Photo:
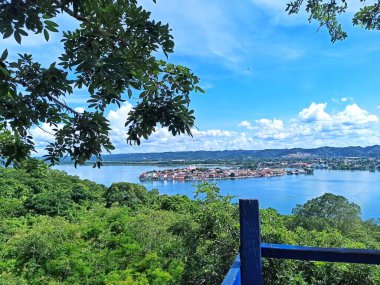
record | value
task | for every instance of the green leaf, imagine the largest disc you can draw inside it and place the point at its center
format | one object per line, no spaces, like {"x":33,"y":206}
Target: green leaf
{"x":22,"y":32}
{"x":8,"y":162}
{"x":7,"y":33}
{"x":4,"y":72}
{"x":47,"y":16}
{"x":17,"y":37}
{"x":197,"y":88}
{"x":46,"y":35}
{"x":51,"y":23}
{"x":4,"y":55}
{"x":52,"y":29}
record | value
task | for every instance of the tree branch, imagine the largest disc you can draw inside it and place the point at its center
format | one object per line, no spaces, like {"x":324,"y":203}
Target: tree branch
{"x":69,"y":11}
{"x":51,"y":98}
{"x":44,"y":130}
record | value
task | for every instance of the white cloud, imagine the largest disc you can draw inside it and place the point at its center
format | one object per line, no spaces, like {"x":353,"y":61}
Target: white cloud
{"x":163,"y":140}
{"x":313,"y":127}
{"x":276,"y":10}
{"x":42,"y":136}
{"x":246,"y":124}
{"x":344,"y":100}
{"x":270,"y":124}
{"x":270,"y":129}
{"x":354,"y":115}
{"x":44,"y":133}
{"x":117,"y":121}
{"x":200,"y":28}
{"x":224,"y":33}
{"x":315,"y":112}
{"x":79,"y":109}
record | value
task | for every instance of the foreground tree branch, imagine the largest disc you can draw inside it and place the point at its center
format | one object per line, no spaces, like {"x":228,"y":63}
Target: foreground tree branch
{"x":111,"y":56}
{"x":70,"y":12}
{"x":326,"y":14}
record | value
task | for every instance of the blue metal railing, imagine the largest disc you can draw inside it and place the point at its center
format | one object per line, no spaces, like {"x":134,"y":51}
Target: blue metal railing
{"x":247,"y":267}
{"x":233,"y":276}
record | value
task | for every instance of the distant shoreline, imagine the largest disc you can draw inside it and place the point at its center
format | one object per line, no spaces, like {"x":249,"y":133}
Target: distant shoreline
{"x":324,"y":152}
{"x":351,"y":164}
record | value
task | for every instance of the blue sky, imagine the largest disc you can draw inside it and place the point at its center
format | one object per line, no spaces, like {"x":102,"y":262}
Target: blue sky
{"x":271,"y":80}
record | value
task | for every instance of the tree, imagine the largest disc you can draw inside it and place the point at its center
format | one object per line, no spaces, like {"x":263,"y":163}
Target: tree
{"x":326,"y":211}
{"x":127,"y":194}
{"x":113,"y":55}
{"x":212,"y":243}
{"x":327,"y":12}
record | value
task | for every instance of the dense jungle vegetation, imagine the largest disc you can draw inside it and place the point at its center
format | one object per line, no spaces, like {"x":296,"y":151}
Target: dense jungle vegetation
{"x":59,"y":229}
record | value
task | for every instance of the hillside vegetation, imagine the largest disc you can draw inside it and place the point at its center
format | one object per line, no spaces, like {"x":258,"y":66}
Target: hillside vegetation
{"x":242,"y":155}
{"x":59,"y":229}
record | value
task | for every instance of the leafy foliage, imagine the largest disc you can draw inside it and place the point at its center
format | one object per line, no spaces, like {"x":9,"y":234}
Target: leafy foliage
{"x":326,"y":13}
{"x":58,"y":229}
{"x":111,"y":55}
{"x":127,"y":194}
{"x":327,"y":211}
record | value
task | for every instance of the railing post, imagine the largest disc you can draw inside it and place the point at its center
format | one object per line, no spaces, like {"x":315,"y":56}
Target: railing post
{"x":250,"y":242}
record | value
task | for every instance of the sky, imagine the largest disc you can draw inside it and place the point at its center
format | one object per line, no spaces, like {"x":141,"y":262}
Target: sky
{"x":271,"y":80}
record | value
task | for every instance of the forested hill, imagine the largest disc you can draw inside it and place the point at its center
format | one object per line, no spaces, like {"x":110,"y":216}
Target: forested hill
{"x":59,"y":229}
{"x":352,"y":151}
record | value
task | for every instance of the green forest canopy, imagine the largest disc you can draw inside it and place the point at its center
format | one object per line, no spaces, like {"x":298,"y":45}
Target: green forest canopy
{"x":59,"y":229}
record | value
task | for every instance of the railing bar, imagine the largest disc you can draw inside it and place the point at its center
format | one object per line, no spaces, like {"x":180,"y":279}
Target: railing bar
{"x":250,"y":242}
{"x":233,"y":275}
{"x":320,"y":254}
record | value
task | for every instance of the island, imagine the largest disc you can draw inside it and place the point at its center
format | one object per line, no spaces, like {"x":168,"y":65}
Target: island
{"x":192,"y":173}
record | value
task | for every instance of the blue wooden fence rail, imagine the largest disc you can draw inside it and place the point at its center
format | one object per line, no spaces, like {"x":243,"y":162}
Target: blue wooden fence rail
{"x":247,"y":267}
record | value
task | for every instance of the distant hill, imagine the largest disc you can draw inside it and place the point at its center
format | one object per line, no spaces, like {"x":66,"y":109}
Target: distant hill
{"x":324,"y":152}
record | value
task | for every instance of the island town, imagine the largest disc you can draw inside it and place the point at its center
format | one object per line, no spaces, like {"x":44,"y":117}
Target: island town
{"x":193,"y":173}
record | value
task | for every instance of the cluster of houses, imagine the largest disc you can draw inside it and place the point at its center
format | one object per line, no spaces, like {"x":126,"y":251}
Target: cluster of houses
{"x":192,"y":173}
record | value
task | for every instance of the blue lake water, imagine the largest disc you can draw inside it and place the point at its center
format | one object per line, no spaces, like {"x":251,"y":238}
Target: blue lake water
{"x":281,"y":193}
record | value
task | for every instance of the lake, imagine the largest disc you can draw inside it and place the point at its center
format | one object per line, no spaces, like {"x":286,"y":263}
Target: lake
{"x":281,"y":193}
